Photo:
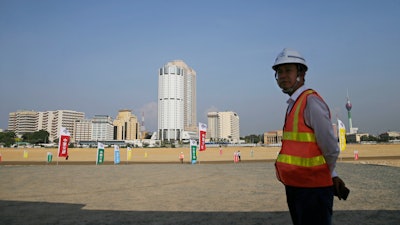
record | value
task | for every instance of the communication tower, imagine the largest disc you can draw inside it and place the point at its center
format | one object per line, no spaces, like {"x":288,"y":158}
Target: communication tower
{"x":348,"y":107}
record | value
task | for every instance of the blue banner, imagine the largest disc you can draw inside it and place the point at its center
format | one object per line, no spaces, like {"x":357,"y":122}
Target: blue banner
{"x":116,"y":155}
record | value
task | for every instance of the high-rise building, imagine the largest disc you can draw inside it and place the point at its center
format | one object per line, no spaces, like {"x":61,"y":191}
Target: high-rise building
{"x":212,"y":126}
{"x":22,"y":121}
{"x":64,"y":118}
{"x":102,"y":128}
{"x":176,"y":100}
{"x":83,"y":130}
{"x":51,"y":121}
{"x":45,"y":120}
{"x":126,"y":126}
{"x":223,"y":126}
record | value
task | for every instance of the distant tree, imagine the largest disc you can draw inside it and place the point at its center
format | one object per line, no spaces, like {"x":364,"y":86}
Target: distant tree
{"x":383,"y":138}
{"x":369,"y":138}
{"x":252,"y":138}
{"x":36,"y":137}
{"x":8,"y":138}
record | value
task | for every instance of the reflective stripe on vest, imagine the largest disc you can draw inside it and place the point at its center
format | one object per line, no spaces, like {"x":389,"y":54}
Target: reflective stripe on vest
{"x":299,"y":161}
{"x":298,"y":136}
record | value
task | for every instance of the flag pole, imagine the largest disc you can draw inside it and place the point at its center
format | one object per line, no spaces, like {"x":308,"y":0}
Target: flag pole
{"x":97,"y":154}
{"x":127,"y":156}
{"x":58,"y":149}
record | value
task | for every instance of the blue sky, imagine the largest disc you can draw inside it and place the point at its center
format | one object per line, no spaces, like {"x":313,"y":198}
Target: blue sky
{"x":101,"y":56}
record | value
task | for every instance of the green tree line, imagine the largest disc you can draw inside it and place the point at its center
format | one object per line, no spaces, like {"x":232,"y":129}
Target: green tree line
{"x":9,"y":138}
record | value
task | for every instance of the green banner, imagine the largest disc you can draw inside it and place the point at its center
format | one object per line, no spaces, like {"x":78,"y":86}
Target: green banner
{"x":100,"y":156}
{"x":49,"y":157}
{"x":193,"y":151}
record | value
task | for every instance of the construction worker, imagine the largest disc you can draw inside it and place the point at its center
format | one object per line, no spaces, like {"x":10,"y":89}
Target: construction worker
{"x":307,"y":159}
{"x":181,"y":157}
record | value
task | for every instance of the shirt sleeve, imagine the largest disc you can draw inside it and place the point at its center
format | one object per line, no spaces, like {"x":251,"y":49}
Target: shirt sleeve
{"x":317,"y":116}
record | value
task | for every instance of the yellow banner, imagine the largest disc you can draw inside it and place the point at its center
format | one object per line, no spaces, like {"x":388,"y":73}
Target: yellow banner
{"x":129,"y":154}
{"x":25,"y":154}
{"x":342,"y":135}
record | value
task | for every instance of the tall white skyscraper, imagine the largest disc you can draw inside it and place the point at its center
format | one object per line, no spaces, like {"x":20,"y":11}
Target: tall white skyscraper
{"x":176,"y":100}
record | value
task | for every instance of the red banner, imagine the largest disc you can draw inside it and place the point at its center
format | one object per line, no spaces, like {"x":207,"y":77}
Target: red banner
{"x":202,"y":136}
{"x":63,"y":146}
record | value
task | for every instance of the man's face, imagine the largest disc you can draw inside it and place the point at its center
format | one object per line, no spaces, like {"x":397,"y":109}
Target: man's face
{"x":286,"y":75}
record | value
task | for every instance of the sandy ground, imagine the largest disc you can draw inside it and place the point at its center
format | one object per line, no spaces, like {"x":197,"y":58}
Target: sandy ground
{"x":214,"y":191}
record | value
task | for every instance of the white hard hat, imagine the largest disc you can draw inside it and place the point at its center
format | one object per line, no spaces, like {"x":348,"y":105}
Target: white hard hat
{"x":289,"y":56}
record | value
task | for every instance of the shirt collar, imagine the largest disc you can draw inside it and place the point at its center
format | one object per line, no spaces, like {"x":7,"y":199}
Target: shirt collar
{"x":296,"y":94}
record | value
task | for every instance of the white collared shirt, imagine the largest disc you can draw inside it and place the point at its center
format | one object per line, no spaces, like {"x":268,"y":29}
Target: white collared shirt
{"x":317,"y":117}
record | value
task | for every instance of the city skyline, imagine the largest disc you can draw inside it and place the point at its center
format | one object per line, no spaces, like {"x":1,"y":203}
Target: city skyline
{"x":100,"y":57}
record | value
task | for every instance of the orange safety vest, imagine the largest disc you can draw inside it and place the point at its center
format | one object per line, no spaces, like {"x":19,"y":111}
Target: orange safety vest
{"x":300,"y":162}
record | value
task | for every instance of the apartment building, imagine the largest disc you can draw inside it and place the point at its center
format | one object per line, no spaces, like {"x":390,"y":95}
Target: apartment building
{"x":83,"y":130}
{"x":22,"y":121}
{"x":223,"y":126}
{"x":30,"y":121}
{"x":102,"y":128}
{"x":99,"y":128}
{"x":64,"y":118}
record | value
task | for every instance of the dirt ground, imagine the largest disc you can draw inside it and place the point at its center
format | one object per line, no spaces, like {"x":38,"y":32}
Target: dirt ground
{"x":158,"y":190}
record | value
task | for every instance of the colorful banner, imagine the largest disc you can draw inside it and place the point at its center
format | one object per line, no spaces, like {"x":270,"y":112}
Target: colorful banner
{"x":100,"y":153}
{"x":116,"y":154}
{"x":235,"y":157}
{"x":63,"y":142}
{"x":342,"y":135}
{"x":193,"y":151}
{"x":49,"y":157}
{"x":128,"y":154}
{"x":25,"y":154}
{"x":202,"y":136}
